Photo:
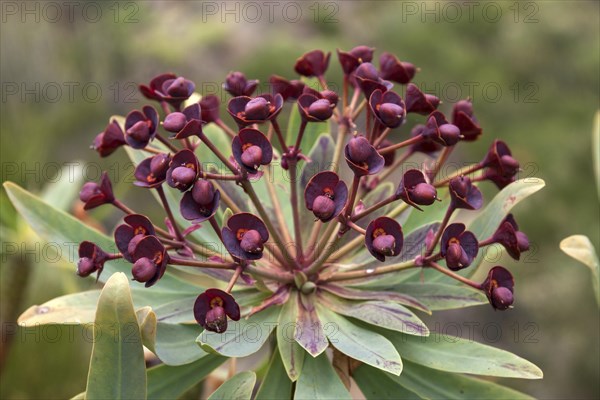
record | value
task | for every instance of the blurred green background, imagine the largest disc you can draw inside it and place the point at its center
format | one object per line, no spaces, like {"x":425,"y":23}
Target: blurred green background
{"x":532,"y":69}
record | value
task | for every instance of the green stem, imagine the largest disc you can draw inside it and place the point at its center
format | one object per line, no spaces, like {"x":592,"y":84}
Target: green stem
{"x":343,"y":276}
{"x":453,"y":275}
{"x":163,"y":199}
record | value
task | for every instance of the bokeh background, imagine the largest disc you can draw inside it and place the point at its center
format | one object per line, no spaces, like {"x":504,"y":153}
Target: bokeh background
{"x":531,"y":68}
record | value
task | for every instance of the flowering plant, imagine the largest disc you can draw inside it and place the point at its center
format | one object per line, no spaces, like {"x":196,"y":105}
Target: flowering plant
{"x":314,"y":247}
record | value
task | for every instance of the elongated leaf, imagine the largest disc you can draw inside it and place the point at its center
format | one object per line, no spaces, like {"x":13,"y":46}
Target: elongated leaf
{"x":580,"y":248}
{"x":454,"y":354}
{"x":391,"y":296}
{"x":147,"y":322}
{"x":291,"y":353}
{"x":359,"y":343}
{"x":238,"y":387}
{"x":166,"y":382}
{"x":77,"y":308}
{"x":66,"y":232}
{"x":426,"y":383}
{"x":381,"y":313}
{"x":378,"y":385}
{"x":117,"y":367}
{"x":309,"y":328}
{"x":80,"y":396}
{"x":243,"y":337}
{"x":275,"y":384}
{"x":440,"y":296}
{"x":596,"y":149}
{"x":62,"y":193}
{"x":319,"y":381}
{"x":175,"y":343}
{"x":486,"y":222}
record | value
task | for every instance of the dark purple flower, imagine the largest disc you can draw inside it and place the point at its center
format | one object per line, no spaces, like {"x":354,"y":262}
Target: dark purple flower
{"x":94,"y":195}
{"x":499,"y":180}
{"x":154,"y":90}
{"x":394,"y":70}
{"x":352,"y":59}
{"x":458,"y":246}
{"x":462,"y":116}
{"x":170,"y":88}
{"x":313,"y":63}
{"x":499,"y":288}
{"x":150,"y":260}
{"x":438,"y":129}
{"x":362,"y":157}
{"x":368,"y":79}
{"x":109,"y":140}
{"x":247,"y":111}
{"x":415,"y":190}
{"x":419,"y":102}
{"x":244,"y":236}
{"x":183,"y":170}
{"x":236,"y":84}
{"x":314,"y":109}
{"x":502,"y":168}
{"x":388,"y":108}
{"x":140,"y":127}
{"x":129,"y":234}
{"x":184,"y":124}
{"x":200,"y":203}
{"x":326,"y":195}
{"x":212,"y":308}
{"x":289,"y":90}
{"x":508,"y":235}
{"x":209,"y":108}
{"x":91,"y":259}
{"x":426,"y":146}
{"x":464,"y":194}
{"x":384,"y":238}
{"x":152,"y":171}
{"x":251,"y":149}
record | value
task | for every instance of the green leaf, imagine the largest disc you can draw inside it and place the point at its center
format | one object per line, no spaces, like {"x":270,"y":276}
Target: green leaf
{"x":243,"y":337}
{"x":486,"y":222}
{"x":72,"y":309}
{"x":440,"y":296}
{"x":581,"y":249}
{"x":167,"y":382}
{"x":455,"y":354}
{"x":429,"y":215}
{"x":319,"y":381}
{"x":426,"y":383}
{"x":359,"y":343}
{"x":291,"y":353}
{"x":596,"y":149}
{"x":378,"y":385}
{"x":386,"y":314}
{"x":238,"y":387}
{"x":117,"y":367}
{"x":309,"y":331}
{"x":147,"y":322}
{"x":275,"y":384}
{"x":65,"y":190}
{"x":175,"y":343}
{"x":65,"y":231}
{"x":80,"y":396}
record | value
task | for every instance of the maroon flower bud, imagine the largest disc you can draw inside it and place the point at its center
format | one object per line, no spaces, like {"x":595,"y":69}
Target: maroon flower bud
{"x":392,"y":69}
{"x":91,"y":259}
{"x":415,"y":190}
{"x":463,"y":118}
{"x":247,"y":111}
{"x":289,"y":90}
{"x":502,"y":168}
{"x":458,"y":246}
{"x":178,"y":87}
{"x":315,"y":109}
{"x":251,"y":149}
{"x":192,"y":126}
{"x":388,"y":108}
{"x":368,"y":80}
{"x":195,"y":211}
{"x":440,"y":131}
{"x":331,"y":96}
{"x":209,"y":106}
{"x":352,"y":59}
{"x":449,"y":133}
{"x":169,"y":88}
{"x":128,"y":235}
{"x":325,"y":195}
{"x":419,"y":102}
{"x":152,"y":171}
{"x":384,"y":238}
{"x":94,"y":195}
{"x":427,"y":145}
{"x":464,"y":194}
{"x":238,"y":225}
{"x":212,"y":307}
{"x":183,"y":170}
{"x":203,"y":192}
{"x":313,"y":63}
{"x":143,"y":270}
{"x":140,"y":127}
{"x":508,"y":235}
{"x":152,"y":250}
{"x":362,"y":157}
{"x":499,"y":288}
{"x":174,"y":122}
{"x":108,"y":141}
{"x":236,"y":84}
{"x":154,"y":90}
{"x":367,"y":71}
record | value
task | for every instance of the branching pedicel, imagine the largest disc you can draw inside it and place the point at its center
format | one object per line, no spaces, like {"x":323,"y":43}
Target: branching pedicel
{"x":270,"y":247}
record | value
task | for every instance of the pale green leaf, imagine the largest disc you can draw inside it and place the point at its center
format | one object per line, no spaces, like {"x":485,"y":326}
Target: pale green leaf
{"x":581,"y":249}
{"x":440,"y":296}
{"x":75,"y":309}
{"x":175,"y":343}
{"x":378,"y":385}
{"x":238,"y":387}
{"x":319,"y":381}
{"x":117,"y":366}
{"x":291,"y":352}
{"x":275,"y":384}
